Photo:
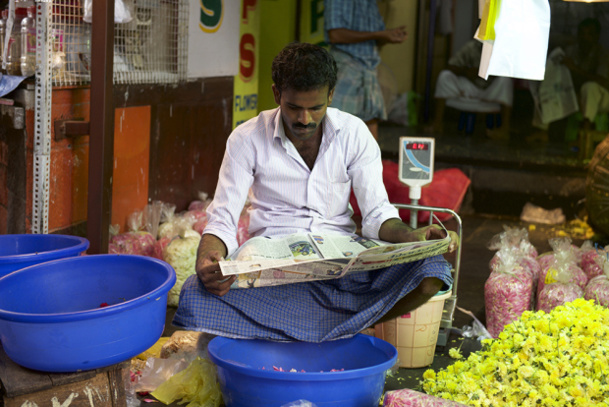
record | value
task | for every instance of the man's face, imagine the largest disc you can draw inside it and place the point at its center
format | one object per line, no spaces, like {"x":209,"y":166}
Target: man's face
{"x":587,"y":37}
{"x":303,"y":111}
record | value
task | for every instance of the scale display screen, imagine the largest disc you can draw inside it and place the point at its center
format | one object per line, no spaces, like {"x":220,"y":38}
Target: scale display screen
{"x":417,"y":146}
{"x":416,"y":160}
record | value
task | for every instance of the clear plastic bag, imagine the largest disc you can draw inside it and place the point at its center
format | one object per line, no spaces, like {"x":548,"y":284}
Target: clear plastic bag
{"x":158,"y":371}
{"x":181,"y":254}
{"x":508,"y":292}
{"x":592,"y":258}
{"x":412,"y":398}
{"x":136,"y":240}
{"x":196,"y":385}
{"x":300,"y":403}
{"x":564,"y":261}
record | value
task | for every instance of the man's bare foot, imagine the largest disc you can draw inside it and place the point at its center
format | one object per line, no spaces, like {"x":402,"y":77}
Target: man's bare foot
{"x":501,"y":133}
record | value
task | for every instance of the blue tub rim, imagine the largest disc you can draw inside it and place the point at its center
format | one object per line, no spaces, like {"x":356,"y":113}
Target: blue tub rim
{"x":83,"y":245}
{"x":53,"y":318}
{"x":305,"y":376}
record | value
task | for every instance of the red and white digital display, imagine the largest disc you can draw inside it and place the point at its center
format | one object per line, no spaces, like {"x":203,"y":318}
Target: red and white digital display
{"x":417,"y":146}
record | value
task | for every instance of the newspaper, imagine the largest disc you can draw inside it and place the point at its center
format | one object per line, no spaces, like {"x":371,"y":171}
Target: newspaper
{"x":267,"y":261}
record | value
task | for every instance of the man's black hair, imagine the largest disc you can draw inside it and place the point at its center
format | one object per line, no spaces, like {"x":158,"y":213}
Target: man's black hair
{"x":590,"y":22}
{"x":301,"y":66}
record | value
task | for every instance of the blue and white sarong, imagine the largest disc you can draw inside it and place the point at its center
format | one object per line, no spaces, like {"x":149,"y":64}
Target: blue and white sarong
{"x":312,"y":311}
{"x":358,"y":90}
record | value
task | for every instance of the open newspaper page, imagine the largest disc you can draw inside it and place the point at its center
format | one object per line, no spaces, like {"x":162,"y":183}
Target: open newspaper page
{"x":266,"y":261}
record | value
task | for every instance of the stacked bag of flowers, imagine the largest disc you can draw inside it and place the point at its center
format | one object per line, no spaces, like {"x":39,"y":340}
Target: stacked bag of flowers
{"x":141,"y":237}
{"x":508,"y":291}
{"x":510,"y":288}
{"x":563,"y":261}
{"x":597,"y":288}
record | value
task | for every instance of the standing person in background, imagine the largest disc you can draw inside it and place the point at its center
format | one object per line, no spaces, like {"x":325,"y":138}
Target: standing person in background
{"x":355,"y":30}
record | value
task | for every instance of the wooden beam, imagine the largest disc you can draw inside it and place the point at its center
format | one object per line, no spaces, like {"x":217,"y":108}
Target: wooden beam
{"x":101,"y":142}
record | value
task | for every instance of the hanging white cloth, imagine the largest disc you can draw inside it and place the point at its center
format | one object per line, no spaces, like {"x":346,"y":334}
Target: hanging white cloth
{"x":122,"y":13}
{"x":522,"y":30}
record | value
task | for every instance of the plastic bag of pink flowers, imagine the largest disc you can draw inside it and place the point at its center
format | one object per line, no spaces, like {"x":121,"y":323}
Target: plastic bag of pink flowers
{"x":508,"y":292}
{"x":517,"y":242}
{"x":565,"y":257}
{"x":598,"y":287}
{"x":558,"y":293}
{"x":592,"y":258}
{"x":136,"y":241}
{"x":412,"y":398}
{"x":598,"y":290}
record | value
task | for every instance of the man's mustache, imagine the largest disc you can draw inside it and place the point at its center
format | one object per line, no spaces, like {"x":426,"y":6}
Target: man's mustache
{"x":303,"y":126}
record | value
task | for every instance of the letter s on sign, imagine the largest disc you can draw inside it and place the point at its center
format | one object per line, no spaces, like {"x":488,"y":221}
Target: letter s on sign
{"x":212,"y":12}
{"x":247,"y":56}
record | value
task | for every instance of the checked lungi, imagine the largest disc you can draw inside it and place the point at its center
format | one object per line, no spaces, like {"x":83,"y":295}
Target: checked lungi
{"x":312,"y":311}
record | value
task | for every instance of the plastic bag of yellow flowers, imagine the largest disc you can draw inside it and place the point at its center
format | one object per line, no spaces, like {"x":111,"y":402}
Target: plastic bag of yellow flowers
{"x":557,"y":359}
{"x":195,"y":385}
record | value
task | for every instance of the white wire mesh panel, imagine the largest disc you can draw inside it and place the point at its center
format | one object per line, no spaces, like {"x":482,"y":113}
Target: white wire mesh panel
{"x":150,"y":48}
{"x":71,"y":44}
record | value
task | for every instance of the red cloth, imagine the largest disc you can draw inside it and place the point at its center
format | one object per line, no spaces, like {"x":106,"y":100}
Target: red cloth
{"x":446,"y":190}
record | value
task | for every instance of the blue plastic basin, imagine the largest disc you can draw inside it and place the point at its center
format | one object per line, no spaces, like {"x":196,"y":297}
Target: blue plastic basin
{"x":247,"y":377}
{"x":52,"y":316}
{"x":19,"y":251}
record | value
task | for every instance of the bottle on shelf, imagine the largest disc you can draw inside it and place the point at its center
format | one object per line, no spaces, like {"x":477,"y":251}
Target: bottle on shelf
{"x":3,"y":18}
{"x":13,"y":55}
{"x":28,"y":43}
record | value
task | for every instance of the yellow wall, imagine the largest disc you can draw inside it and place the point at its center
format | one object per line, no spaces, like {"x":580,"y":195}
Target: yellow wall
{"x":277,"y":29}
{"x":400,"y":58}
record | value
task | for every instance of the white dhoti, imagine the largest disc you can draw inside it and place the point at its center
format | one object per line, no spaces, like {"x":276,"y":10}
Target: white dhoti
{"x":594,"y":99}
{"x":452,"y":87}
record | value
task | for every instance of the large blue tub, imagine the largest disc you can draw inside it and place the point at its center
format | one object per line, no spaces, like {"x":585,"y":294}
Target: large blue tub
{"x":19,"y":251}
{"x":54,"y":318}
{"x":248,"y":376}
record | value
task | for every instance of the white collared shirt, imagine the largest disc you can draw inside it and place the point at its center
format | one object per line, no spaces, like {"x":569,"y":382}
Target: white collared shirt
{"x":286,"y":196}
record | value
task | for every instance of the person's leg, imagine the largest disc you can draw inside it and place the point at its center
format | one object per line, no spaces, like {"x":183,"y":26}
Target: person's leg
{"x":414,"y":299}
{"x":310,"y":311}
{"x":502,"y":132}
{"x":501,"y":91}
{"x":447,"y":87}
{"x":594,"y":98}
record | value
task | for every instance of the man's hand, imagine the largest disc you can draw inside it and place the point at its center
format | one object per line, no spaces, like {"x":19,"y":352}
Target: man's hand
{"x":211,"y":251}
{"x":393,"y":36}
{"x":396,"y":231}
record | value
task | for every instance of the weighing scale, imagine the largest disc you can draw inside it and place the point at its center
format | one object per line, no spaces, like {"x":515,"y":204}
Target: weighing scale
{"x":416,"y":168}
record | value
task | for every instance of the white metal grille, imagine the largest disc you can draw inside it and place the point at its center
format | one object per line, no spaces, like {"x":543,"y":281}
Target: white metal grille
{"x":151,"y":48}
{"x":42,"y":128}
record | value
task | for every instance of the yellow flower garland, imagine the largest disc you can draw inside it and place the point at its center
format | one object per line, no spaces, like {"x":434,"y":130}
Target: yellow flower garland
{"x":557,"y":359}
